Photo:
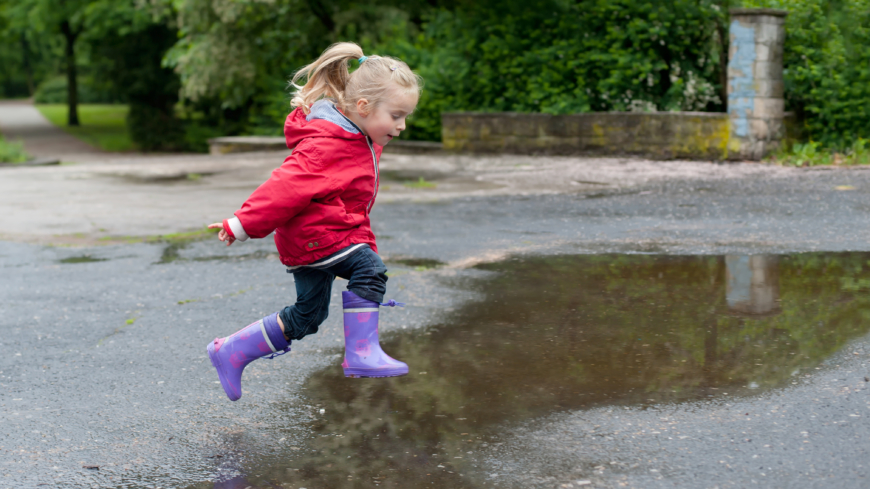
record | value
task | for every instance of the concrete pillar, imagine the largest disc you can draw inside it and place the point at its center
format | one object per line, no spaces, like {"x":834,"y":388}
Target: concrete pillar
{"x":755,"y":85}
{"x":752,"y":284}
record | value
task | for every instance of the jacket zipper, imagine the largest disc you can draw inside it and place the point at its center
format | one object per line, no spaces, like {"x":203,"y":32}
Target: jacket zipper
{"x":374,"y":159}
{"x":377,"y":175}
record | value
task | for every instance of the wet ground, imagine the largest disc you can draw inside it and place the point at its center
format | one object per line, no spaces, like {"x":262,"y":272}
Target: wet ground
{"x":676,"y":334}
{"x":565,"y":335}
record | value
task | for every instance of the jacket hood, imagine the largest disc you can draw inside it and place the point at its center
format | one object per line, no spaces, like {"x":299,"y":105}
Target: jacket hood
{"x":323,"y":121}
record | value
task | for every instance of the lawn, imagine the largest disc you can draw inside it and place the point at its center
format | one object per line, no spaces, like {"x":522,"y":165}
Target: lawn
{"x":102,"y":125}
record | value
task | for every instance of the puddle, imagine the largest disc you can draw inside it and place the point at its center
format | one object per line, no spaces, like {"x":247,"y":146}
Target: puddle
{"x":172,"y":253}
{"x":81,"y":259}
{"x":566,"y":333}
{"x":411,"y":175}
{"x":166,"y":177}
{"x":419,"y":264}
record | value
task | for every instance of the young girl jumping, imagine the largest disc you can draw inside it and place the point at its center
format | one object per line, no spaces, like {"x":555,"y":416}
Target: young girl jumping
{"x":318,"y":204}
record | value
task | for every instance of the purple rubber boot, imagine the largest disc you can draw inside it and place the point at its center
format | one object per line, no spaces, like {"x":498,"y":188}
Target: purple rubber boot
{"x":232,"y":354}
{"x":363,"y":356}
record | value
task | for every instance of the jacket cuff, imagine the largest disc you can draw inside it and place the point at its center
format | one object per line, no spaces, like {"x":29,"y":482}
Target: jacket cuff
{"x":234,"y":228}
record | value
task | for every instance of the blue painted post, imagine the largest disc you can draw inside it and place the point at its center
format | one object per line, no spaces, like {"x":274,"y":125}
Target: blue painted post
{"x":755,"y":86}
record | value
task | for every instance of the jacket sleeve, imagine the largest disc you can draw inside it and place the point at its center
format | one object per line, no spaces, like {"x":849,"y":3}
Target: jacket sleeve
{"x":292,"y":186}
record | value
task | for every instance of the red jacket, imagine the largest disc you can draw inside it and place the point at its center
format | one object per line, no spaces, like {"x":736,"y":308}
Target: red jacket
{"x":319,"y":200}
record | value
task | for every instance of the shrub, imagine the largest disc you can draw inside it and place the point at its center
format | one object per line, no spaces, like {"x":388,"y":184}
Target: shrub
{"x":196,"y":136}
{"x":12,"y":152}
{"x":827,"y":68}
{"x":153,"y":129}
{"x":813,"y":153}
{"x":563,"y":56}
{"x":54,"y":91}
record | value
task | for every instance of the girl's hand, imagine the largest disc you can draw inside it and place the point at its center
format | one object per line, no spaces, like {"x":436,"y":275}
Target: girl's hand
{"x":222,"y":235}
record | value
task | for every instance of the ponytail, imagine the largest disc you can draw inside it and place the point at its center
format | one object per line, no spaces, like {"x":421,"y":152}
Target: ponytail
{"x":328,"y":76}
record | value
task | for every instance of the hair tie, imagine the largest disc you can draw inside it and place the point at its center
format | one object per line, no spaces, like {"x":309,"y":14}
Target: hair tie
{"x":393,"y":68}
{"x":363,"y":59}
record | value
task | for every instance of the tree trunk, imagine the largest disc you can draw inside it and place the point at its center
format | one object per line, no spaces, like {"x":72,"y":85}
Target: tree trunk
{"x":322,"y":12}
{"x":724,"y":40}
{"x":28,"y":69}
{"x":71,"y":73}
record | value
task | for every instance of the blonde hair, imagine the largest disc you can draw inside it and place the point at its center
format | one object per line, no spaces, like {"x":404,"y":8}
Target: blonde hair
{"x":328,"y":76}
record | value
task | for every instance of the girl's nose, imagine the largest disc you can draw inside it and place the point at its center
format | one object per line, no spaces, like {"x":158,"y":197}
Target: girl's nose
{"x":401,"y":126}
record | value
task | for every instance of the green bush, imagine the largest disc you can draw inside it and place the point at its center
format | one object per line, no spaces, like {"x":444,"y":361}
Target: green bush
{"x":196,"y":136}
{"x":827,"y":68}
{"x":563,"y":56}
{"x":813,"y":153}
{"x":12,"y":152}
{"x":54,"y":91}
{"x":153,"y":129}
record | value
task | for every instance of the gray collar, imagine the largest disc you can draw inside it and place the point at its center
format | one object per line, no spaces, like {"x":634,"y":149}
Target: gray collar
{"x":325,"y":109}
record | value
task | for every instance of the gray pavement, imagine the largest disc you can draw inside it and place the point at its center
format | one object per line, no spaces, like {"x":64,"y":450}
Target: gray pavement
{"x":103,"y":340}
{"x":20,"y":121}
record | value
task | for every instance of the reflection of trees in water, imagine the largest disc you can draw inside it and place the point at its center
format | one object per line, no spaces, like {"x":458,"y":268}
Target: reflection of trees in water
{"x":561,"y":333}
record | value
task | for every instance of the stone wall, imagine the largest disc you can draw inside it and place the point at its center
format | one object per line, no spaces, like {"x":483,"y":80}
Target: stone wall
{"x":658,"y":135}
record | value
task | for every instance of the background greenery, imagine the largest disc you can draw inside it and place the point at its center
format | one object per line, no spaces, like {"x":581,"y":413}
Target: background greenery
{"x":193,"y":69}
{"x":12,"y":152}
{"x":102,"y":125}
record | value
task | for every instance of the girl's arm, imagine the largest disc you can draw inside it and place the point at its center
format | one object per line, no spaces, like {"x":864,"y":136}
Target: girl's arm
{"x":223,"y":235}
{"x":292,"y":186}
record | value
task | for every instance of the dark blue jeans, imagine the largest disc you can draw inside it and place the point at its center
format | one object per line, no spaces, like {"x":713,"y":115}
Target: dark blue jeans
{"x":367,"y":278}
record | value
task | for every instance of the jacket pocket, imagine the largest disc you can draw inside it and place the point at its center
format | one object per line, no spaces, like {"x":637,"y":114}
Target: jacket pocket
{"x":319,"y":243}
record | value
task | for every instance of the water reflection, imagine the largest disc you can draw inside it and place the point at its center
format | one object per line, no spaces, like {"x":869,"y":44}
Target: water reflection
{"x":753,"y":284}
{"x":573,"y":332}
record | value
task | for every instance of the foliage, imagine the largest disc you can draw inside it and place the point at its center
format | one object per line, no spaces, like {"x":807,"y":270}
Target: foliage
{"x":228,"y":51}
{"x":26,"y":56}
{"x":827,"y":61}
{"x":102,"y":126}
{"x":224,"y":64}
{"x":131,"y":60}
{"x":561,"y":57}
{"x":812,"y":153}
{"x":63,"y":20}
{"x":12,"y":152}
{"x":54,"y":91}
{"x":552,"y":56}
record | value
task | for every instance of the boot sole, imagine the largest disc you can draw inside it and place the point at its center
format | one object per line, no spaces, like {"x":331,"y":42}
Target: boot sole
{"x":357,"y":373}
{"x":216,"y":363}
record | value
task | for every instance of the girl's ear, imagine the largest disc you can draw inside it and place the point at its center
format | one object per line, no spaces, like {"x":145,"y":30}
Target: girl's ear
{"x":362,"y":107}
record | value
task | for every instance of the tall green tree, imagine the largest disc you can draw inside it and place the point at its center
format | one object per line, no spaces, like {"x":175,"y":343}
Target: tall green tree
{"x":63,"y":18}
{"x":127,"y":42}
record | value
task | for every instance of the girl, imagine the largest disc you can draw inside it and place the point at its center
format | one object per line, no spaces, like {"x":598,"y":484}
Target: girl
{"x":318,"y":204}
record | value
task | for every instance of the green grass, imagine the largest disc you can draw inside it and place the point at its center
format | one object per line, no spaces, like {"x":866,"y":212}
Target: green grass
{"x":12,"y":152}
{"x":420,"y":183}
{"x":814,"y":154}
{"x":102,"y":125}
{"x":174,"y":238}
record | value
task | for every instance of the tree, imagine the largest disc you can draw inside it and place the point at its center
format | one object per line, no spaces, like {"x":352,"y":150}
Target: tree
{"x":65,"y":18}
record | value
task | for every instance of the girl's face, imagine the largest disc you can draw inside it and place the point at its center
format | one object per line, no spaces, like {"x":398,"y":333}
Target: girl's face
{"x":387,"y":120}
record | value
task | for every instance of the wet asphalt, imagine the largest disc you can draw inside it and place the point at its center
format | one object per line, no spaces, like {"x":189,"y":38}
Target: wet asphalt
{"x":105,"y":381}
